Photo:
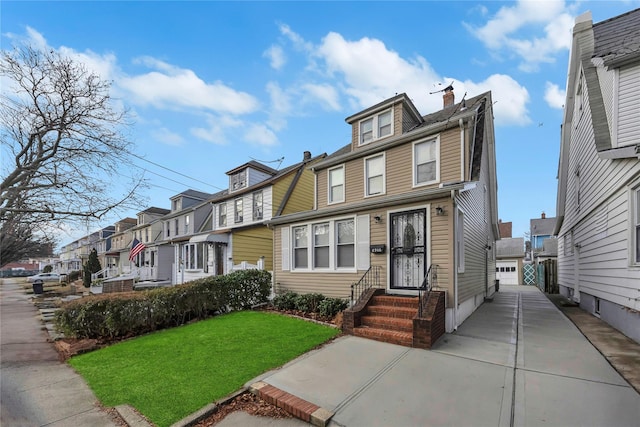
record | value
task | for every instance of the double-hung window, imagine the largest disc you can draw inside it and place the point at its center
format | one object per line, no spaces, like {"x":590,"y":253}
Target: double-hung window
{"x":186,"y":224}
{"x":176,"y":226}
{"x":376,"y":127}
{"x":374,"y":175}
{"x":300,"y":247}
{"x":222,"y":215}
{"x":321,"y":245}
{"x":237,"y":210}
{"x":336,"y":185}
{"x":425,"y":162}
{"x":636,"y":224}
{"x":257,"y":206}
{"x":345,"y":244}
{"x":238,"y":180}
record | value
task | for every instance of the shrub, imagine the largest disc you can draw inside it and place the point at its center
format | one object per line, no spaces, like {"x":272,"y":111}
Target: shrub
{"x":47,"y":268}
{"x":330,"y":307}
{"x":308,"y":303}
{"x":286,"y":301}
{"x":129,"y":314}
{"x":74,"y":275}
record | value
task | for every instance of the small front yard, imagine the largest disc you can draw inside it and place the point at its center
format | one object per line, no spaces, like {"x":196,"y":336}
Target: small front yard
{"x":170,"y":374}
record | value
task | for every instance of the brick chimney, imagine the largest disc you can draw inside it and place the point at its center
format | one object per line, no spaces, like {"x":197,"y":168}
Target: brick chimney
{"x":543,"y":216}
{"x":448,"y":97}
{"x":306,"y":156}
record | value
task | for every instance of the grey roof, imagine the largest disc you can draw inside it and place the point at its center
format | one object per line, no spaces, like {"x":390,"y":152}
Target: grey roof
{"x":154,"y":210}
{"x":618,"y":39}
{"x":543,"y":226}
{"x":194,"y":194}
{"x":510,"y":248}
{"x":450,"y":112}
{"x":254,"y":165}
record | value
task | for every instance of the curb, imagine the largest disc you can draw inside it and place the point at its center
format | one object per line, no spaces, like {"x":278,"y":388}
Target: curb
{"x":207,"y":410}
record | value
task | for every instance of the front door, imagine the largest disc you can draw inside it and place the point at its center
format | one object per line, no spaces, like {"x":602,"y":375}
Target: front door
{"x":408,"y":249}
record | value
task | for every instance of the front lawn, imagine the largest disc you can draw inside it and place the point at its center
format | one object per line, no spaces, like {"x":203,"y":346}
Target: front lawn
{"x":170,"y":374}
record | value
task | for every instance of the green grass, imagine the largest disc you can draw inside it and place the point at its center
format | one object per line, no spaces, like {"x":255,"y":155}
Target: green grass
{"x":170,"y":374}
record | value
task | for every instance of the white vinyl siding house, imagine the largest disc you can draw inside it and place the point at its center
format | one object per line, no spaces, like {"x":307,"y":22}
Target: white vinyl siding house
{"x":599,"y":174}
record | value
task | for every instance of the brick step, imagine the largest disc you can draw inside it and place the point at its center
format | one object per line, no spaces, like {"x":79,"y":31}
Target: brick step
{"x":389,"y":311}
{"x":389,"y":323}
{"x":384,"y":335}
{"x":393,"y":301}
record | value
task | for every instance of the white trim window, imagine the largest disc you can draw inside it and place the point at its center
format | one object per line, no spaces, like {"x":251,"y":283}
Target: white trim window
{"x":321,"y":245}
{"x":186,"y":224}
{"x":238,"y":180}
{"x":300,"y":247}
{"x":237,"y":211}
{"x":345,"y":244}
{"x":376,"y":127}
{"x":336,"y":184}
{"x":426,"y":167}
{"x":374,"y":170}
{"x":192,"y":254}
{"x":332,"y":243}
{"x":636,"y":225}
{"x":257,"y":206}
{"x":222,"y":215}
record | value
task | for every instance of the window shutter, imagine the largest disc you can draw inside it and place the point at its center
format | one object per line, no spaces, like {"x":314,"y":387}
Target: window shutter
{"x":362,"y":242}
{"x":284,"y":243}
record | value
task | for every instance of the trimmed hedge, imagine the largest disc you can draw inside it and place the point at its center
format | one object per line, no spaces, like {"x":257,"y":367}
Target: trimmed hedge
{"x":310,"y":303}
{"x":131,"y":314}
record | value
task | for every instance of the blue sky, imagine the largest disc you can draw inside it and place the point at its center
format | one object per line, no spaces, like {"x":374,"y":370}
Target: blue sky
{"x":212,"y":85}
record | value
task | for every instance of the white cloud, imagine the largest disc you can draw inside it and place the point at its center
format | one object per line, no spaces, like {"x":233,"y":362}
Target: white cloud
{"x":260,"y":134}
{"x":217,"y":130}
{"x":169,"y":86}
{"x":325,"y":94}
{"x":164,"y":135}
{"x":510,"y":99}
{"x":535,"y":31}
{"x":554,"y":96}
{"x":276,"y":57}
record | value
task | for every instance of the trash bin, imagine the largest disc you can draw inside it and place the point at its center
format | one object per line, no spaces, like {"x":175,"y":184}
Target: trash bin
{"x":497,"y":285}
{"x":38,"y":287}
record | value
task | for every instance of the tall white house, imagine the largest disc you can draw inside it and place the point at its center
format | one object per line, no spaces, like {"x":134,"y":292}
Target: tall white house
{"x":598,"y":206}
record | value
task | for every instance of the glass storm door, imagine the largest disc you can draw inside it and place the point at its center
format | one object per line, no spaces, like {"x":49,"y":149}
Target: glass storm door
{"x":408,"y":249}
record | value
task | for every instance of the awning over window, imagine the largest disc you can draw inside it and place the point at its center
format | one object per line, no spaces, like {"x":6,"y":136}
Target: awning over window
{"x":214,"y":238}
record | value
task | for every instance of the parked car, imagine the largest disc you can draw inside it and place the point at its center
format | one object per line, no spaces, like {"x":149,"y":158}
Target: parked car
{"x":45,"y":277}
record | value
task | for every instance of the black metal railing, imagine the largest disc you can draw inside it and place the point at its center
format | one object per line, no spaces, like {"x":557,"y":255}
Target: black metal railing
{"x":370,"y":279}
{"x":429,"y":281}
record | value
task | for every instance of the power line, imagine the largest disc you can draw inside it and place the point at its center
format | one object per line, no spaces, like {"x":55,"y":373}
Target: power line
{"x":173,"y":171}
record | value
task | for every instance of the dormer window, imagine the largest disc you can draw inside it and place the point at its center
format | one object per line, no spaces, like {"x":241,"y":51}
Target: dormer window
{"x":238,"y":180}
{"x":376,"y":127}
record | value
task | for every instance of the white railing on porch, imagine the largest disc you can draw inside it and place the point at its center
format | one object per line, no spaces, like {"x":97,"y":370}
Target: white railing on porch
{"x":244,"y":265}
{"x":105,"y":273}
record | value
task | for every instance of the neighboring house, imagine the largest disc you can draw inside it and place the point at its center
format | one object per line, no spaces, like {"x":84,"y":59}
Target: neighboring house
{"x":103,"y":246}
{"x":408,"y":193}
{"x":69,"y":258}
{"x":506,"y":229}
{"x":118,"y":256}
{"x":154,"y":261}
{"x":541,"y":229}
{"x":509,"y":260}
{"x":256,"y":194}
{"x":598,"y":225}
{"x":189,"y":211}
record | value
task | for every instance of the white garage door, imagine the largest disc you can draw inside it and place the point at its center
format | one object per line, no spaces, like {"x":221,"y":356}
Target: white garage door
{"x":507,"y":272}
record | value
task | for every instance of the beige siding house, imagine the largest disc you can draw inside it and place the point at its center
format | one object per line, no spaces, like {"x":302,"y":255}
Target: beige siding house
{"x":598,"y":209}
{"x":407,"y":194}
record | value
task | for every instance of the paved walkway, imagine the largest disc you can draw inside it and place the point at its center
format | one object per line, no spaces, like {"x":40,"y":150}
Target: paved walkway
{"x":36,"y":388}
{"x":517,"y":361}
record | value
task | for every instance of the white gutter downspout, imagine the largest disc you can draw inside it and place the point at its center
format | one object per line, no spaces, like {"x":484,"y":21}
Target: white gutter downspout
{"x":455,"y":262}
{"x":461,"y":124}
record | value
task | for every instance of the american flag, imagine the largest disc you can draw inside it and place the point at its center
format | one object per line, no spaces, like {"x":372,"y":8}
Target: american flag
{"x":136,"y":247}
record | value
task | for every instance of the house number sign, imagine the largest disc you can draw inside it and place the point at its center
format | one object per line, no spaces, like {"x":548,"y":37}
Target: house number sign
{"x":378,"y":249}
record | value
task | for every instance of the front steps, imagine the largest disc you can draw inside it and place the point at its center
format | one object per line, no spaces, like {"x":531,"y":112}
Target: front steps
{"x":394,"y":319}
{"x":389,"y":319}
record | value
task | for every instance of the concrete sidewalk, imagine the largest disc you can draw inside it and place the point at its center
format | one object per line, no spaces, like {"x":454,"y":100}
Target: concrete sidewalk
{"x":36,"y":388}
{"x":517,"y":361}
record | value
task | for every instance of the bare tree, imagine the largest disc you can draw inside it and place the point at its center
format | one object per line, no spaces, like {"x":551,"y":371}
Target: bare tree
{"x":20,"y":240}
{"x":65,"y":153}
